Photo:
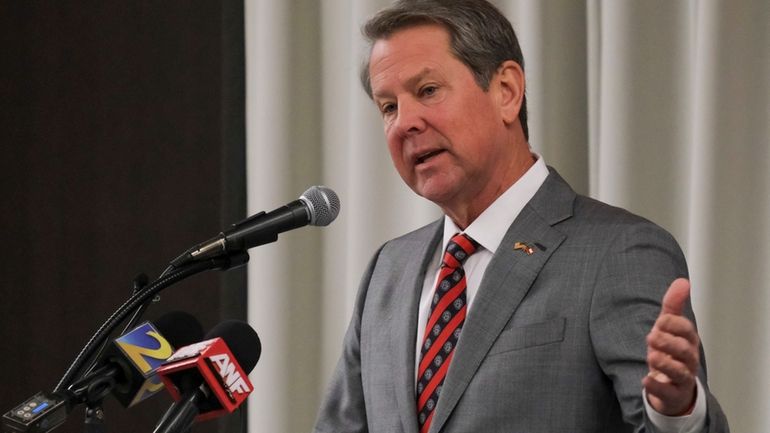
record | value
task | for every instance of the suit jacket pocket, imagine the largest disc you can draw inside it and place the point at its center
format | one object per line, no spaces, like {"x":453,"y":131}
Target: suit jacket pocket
{"x":524,"y":336}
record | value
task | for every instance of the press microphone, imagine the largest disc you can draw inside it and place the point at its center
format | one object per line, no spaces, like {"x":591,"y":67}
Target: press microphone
{"x":210,"y":378}
{"x":127,"y":370}
{"x":133,"y":358}
{"x":318,"y":206}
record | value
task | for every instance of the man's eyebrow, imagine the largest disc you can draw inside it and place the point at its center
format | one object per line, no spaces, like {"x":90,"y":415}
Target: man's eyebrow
{"x":413,"y":80}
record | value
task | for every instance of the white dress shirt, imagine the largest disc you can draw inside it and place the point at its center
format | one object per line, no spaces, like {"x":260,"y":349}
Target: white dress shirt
{"x":488,"y":230}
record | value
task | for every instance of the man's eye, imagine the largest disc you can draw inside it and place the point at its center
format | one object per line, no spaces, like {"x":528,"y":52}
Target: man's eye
{"x":429,"y":90}
{"x":387,"y":108}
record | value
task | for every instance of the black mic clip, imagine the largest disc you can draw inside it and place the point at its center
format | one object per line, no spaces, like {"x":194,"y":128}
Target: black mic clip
{"x":233,"y":260}
{"x":218,"y":246}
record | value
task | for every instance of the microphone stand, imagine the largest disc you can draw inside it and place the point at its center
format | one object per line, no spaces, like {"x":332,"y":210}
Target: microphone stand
{"x":180,"y":416}
{"x":140,"y":282}
{"x":136,"y":300}
{"x":94,"y":422}
{"x":94,"y":393}
{"x":94,"y":414}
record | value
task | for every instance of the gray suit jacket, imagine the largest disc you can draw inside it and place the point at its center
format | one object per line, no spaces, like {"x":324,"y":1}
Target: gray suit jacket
{"x":554,"y":341}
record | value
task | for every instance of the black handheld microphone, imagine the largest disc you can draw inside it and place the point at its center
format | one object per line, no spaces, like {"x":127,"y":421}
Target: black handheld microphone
{"x":209,"y":379}
{"x":318,"y":206}
{"x":127,"y":370}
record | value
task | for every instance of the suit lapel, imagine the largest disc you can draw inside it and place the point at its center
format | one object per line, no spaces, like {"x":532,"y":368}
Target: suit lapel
{"x":506,"y":281}
{"x":404,"y":322}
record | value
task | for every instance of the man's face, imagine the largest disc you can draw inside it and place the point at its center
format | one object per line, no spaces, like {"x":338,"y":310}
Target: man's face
{"x":446,"y":135}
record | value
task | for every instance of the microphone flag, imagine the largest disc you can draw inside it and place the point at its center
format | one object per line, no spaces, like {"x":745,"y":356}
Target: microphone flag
{"x":146,"y":350}
{"x":219,"y":371}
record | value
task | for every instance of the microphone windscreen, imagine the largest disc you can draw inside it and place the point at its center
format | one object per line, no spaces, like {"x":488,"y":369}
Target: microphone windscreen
{"x":179,"y":328}
{"x":241,"y":339}
{"x":323,"y":203}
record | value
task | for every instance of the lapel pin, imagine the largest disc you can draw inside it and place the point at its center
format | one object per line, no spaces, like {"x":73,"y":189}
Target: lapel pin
{"x":524,"y":247}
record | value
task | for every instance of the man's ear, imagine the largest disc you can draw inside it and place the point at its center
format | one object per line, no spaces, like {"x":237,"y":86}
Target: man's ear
{"x":510,"y":78}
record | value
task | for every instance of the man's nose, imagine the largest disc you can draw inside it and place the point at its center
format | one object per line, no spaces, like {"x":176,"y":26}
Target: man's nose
{"x":410,"y":118}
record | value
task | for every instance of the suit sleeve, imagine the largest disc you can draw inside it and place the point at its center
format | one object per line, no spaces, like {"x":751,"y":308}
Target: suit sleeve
{"x":638,"y":267}
{"x":343,"y":409}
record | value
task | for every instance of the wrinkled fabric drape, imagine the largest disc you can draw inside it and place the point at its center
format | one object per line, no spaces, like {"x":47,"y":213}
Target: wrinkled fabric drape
{"x":661,"y":107}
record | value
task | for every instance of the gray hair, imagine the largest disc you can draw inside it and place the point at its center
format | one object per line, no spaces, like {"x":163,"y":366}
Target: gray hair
{"x":480,"y":36}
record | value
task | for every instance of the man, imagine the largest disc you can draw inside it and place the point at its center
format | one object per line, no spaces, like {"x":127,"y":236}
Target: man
{"x":549,"y":311}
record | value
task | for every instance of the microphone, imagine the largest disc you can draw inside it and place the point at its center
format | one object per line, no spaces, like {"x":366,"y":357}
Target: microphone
{"x":210,"y":378}
{"x":127,"y":370}
{"x":318,"y":206}
{"x":133,"y":358}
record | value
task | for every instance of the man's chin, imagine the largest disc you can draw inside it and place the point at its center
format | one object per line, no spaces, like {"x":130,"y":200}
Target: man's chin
{"x":438,"y":194}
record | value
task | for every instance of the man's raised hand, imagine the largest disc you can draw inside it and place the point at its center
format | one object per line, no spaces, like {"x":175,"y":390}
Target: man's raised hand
{"x":673,"y":355}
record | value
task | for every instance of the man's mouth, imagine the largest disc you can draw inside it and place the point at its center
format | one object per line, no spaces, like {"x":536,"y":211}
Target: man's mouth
{"x":426,"y":156}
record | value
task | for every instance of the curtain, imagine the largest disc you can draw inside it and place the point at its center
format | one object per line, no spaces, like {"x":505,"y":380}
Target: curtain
{"x":661,"y":107}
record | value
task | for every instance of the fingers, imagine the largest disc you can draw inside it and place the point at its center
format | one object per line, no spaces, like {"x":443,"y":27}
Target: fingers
{"x":672,"y":348}
{"x":676,"y":371}
{"x":668,"y":399}
{"x":673,"y":334}
{"x":663,"y":390}
{"x":672,"y":354}
{"x":670,"y":385}
{"x":676,"y":297}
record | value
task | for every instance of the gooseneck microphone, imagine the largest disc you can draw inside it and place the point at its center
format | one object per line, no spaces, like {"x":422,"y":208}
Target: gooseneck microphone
{"x":209,"y":379}
{"x":318,"y":206}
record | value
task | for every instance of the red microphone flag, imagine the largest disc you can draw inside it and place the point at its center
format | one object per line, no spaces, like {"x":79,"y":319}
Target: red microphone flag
{"x":215,"y":363}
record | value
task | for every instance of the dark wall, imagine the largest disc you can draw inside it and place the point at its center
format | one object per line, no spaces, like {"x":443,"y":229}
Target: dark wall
{"x":122,"y":145}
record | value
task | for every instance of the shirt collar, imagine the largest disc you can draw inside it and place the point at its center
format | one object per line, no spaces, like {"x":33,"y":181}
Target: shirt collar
{"x":490,"y":227}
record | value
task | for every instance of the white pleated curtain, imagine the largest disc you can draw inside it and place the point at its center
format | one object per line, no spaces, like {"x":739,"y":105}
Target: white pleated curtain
{"x":661,"y":107}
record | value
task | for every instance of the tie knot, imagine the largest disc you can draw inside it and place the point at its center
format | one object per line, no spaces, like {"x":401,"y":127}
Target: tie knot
{"x":460,"y":247}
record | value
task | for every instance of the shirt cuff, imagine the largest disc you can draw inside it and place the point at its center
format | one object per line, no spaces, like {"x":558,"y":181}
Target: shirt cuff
{"x":692,"y":423}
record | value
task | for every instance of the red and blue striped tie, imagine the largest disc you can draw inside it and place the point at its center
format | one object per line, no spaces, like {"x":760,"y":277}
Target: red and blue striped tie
{"x":447,"y":315}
